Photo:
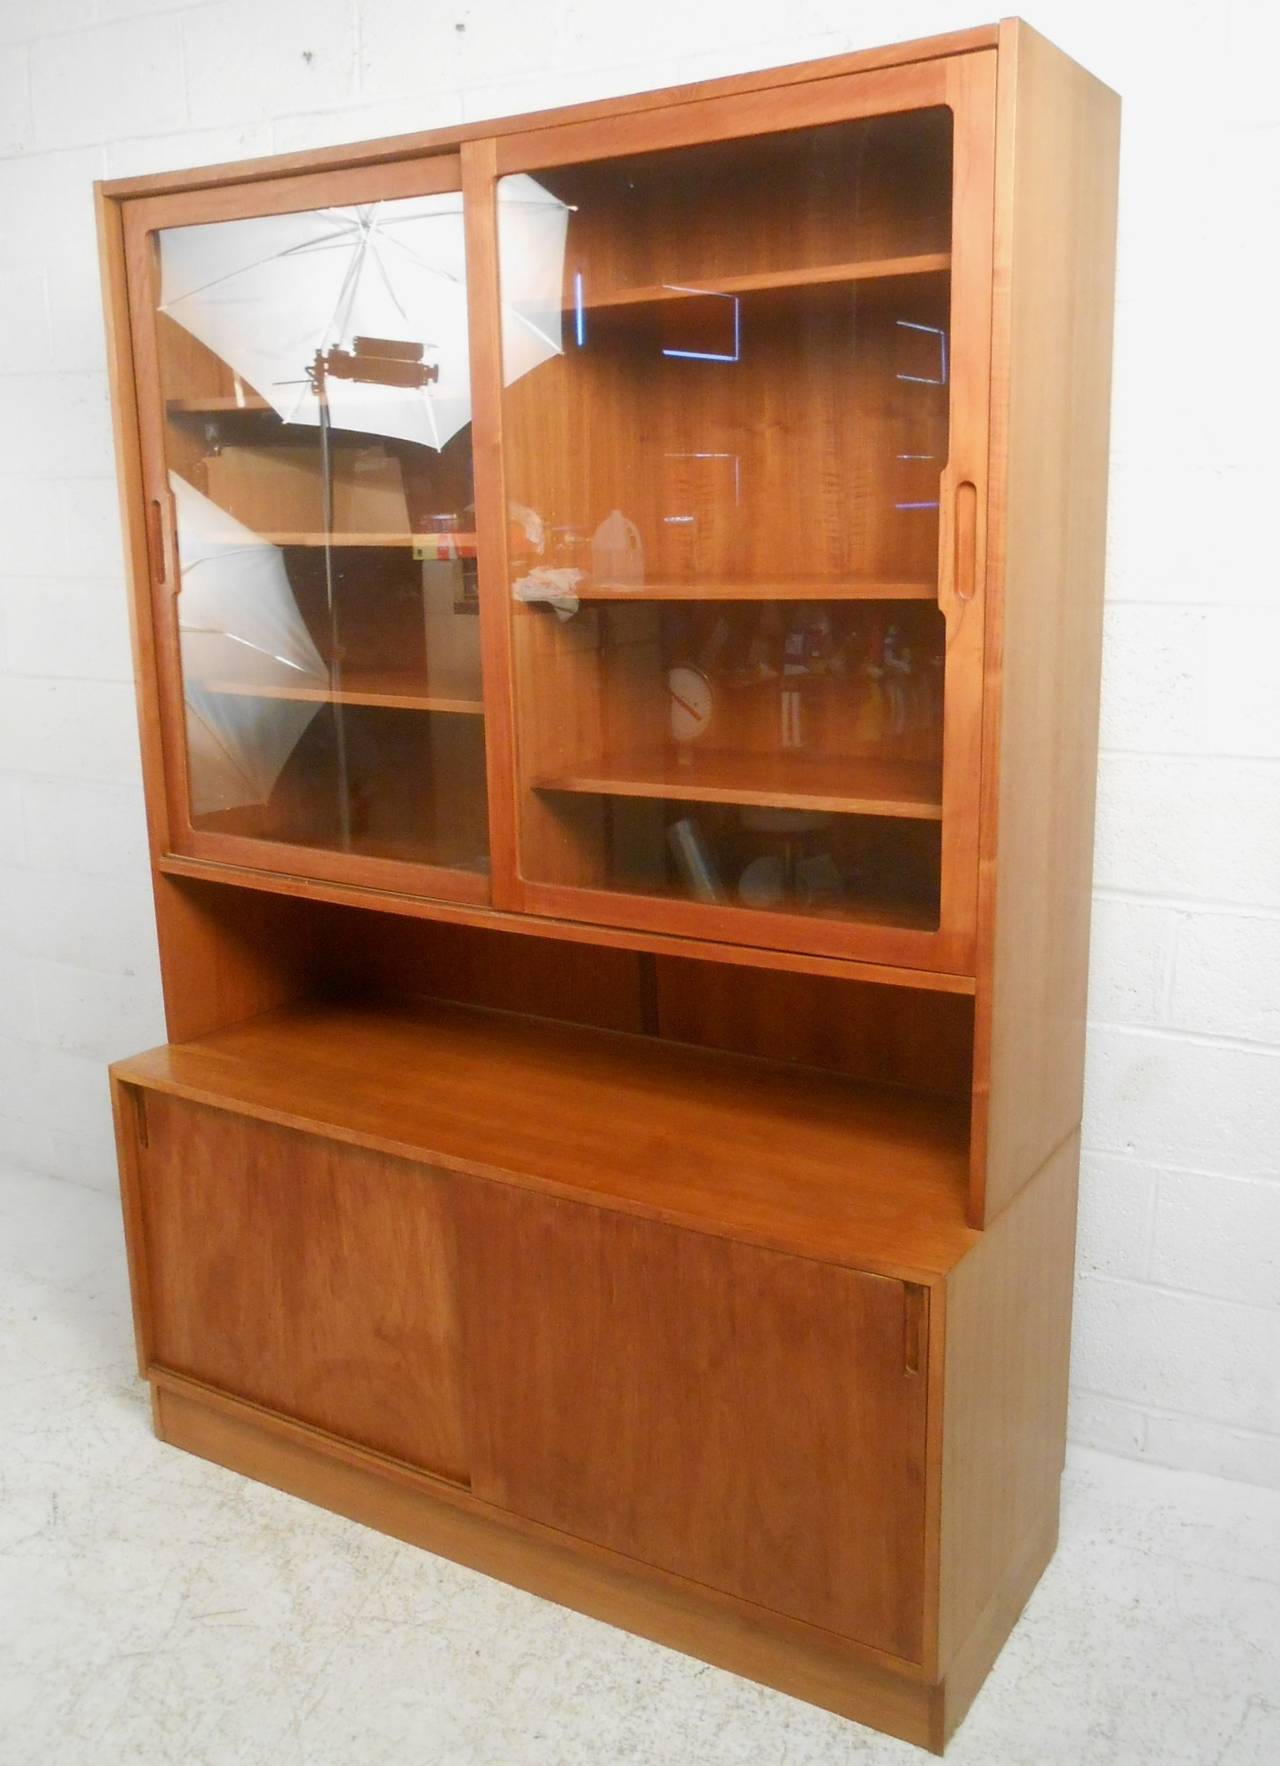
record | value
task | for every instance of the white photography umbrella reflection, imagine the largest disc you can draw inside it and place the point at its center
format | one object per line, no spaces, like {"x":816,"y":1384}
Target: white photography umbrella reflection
{"x":240,"y":630}
{"x":353,"y":318}
{"x":272,"y":294}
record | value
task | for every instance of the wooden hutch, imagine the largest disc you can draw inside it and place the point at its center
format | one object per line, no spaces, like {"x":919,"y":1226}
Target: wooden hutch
{"x":616,"y":601}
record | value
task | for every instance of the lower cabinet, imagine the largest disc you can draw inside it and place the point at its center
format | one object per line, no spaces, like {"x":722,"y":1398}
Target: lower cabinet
{"x":748,"y":1420}
{"x":309,"y":1276}
{"x":752,"y":1421}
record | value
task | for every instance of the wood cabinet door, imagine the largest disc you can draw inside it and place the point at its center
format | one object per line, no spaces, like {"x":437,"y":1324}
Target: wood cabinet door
{"x":314,"y":1278}
{"x":752,"y":1421}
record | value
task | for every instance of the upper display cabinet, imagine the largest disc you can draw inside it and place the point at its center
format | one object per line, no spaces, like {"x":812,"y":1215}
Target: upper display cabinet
{"x":678,"y":423}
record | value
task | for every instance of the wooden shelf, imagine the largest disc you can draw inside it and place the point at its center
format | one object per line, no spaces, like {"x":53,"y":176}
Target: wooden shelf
{"x":781,"y":589}
{"x":442,"y":854}
{"x":418,"y":855}
{"x":910,"y":789}
{"x":765,"y":281}
{"x":445,"y":545}
{"x":217,"y":405}
{"x":399,"y":691}
{"x":791,"y":1158}
{"x":901,"y":914}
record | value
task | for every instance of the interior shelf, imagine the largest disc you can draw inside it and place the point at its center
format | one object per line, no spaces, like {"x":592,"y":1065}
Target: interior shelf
{"x":805,"y":276}
{"x":429,"y":545}
{"x":789,"y":1157}
{"x":216,"y":405}
{"x":783,"y":589}
{"x":910,"y":789}
{"x":865,"y":910}
{"x":402,"y":690}
{"x":453,"y":855}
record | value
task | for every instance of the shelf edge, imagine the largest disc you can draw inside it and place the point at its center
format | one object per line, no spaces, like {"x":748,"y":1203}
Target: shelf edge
{"x":455,"y":913}
{"x":764,"y":281}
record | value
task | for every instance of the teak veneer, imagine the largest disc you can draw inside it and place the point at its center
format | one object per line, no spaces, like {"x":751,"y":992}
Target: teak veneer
{"x":781,"y":589}
{"x":773,"y":1154}
{"x":620,"y":1122}
{"x":879,"y":788}
{"x":812,"y":276}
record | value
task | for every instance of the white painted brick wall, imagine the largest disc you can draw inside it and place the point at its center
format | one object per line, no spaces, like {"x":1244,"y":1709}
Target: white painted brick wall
{"x":1177,"y":1351}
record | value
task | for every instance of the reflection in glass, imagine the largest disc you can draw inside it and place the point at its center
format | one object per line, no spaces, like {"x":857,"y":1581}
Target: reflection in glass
{"x":779,"y":755}
{"x":317,"y":381}
{"x":241,"y":630}
{"x":362,"y":311}
{"x":723,"y":532}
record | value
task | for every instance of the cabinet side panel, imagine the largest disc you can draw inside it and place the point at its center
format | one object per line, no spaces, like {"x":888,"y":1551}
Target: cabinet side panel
{"x":1058,"y":133}
{"x":226,"y":955}
{"x":1008,"y":1331}
{"x":128,"y":1111}
{"x":359,"y":950}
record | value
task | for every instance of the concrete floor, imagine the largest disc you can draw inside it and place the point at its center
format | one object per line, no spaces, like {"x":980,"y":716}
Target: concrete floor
{"x":157,"y":1609}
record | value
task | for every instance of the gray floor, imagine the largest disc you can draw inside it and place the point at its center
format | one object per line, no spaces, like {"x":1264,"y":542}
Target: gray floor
{"x":157,"y":1609}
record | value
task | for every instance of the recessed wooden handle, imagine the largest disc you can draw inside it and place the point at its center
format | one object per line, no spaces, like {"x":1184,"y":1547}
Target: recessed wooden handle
{"x":155,"y":542}
{"x":915,"y":1320}
{"x":966,"y":540}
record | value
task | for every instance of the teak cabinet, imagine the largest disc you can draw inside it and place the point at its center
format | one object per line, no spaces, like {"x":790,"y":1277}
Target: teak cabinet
{"x":616,"y":604}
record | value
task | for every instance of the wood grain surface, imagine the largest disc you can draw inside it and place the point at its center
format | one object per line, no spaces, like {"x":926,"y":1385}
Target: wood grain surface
{"x":787,"y":1157}
{"x":747,"y":1420}
{"x":1051,"y":385}
{"x":312,"y":1277}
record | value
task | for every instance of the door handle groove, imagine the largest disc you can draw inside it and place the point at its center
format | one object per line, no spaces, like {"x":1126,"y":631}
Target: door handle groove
{"x":915,"y":1320}
{"x":155,"y":543}
{"x":965,"y":540}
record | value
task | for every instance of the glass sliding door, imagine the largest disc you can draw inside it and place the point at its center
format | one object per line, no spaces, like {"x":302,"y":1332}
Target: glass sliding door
{"x":725,"y":496}
{"x":312,"y":482}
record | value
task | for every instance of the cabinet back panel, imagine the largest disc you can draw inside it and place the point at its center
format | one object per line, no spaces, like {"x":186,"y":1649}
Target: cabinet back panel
{"x":874,"y":187}
{"x":891,"y":1034}
{"x":799,"y":458}
{"x":228,"y":954}
{"x":290,"y":949}
{"x":508,"y":971}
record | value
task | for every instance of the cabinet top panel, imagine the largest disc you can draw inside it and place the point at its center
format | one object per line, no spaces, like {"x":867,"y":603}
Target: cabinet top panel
{"x":396,"y":147}
{"x":786,"y":1157}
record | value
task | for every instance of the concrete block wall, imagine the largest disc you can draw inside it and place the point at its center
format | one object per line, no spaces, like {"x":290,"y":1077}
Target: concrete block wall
{"x":1177,"y":1353}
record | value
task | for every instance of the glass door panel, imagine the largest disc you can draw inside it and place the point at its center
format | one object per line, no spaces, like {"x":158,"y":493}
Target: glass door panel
{"x":316,"y":453}
{"x":723,"y":534}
